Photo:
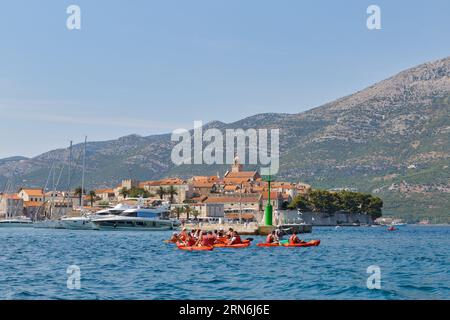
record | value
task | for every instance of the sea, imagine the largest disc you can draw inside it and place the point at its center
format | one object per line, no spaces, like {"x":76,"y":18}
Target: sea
{"x":352,"y":263}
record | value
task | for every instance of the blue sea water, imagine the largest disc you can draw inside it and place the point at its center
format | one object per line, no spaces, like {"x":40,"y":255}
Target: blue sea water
{"x":414,"y":264}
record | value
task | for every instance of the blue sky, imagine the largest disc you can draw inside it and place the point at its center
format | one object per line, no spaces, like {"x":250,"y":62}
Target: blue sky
{"x":153,"y":66}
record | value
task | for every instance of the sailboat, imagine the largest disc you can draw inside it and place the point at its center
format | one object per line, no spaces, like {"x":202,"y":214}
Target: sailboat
{"x":82,"y":222}
{"x":50,"y":222}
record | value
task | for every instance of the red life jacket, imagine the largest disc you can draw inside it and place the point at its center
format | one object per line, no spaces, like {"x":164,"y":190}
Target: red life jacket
{"x":237,"y":240}
{"x":293,"y":239}
{"x":190,"y":242}
{"x":269,"y":238}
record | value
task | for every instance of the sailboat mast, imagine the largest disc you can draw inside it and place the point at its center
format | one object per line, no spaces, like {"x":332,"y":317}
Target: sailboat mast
{"x":69,"y":178}
{"x":82,"y":175}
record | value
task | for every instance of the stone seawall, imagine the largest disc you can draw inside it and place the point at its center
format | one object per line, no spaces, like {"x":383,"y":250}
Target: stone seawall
{"x":324,"y":219}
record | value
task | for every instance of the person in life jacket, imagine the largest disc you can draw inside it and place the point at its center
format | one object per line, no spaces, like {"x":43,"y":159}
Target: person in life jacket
{"x":190,"y":241}
{"x":230,"y":233}
{"x":175,"y":238}
{"x":293,"y":239}
{"x":235,"y":239}
{"x":183,"y":235}
{"x":221,"y":237}
{"x":201,"y":238}
{"x":209,"y":239}
{"x":271,"y":237}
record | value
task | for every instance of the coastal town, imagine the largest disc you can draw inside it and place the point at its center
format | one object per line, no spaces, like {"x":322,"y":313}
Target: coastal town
{"x":238,"y":196}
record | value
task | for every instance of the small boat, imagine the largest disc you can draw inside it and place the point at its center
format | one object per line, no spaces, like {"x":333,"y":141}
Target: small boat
{"x":19,"y":222}
{"x":195,"y":248}
{"x":392,"y":229}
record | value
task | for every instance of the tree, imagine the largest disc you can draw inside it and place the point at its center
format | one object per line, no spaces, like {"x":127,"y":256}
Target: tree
{"x":79,"y":193}
{"x":300,"y":202}
{"x":136,"y":192}
{"x":178,"y":211}
{"x":161,"y":192}
{"x":188,"y":210}
{"x":124,"y":192}
{"x":323,"y":201}
{"x":195,"y":213}
{"x":171,"y":191}
{"x":92,"y":196}
{"x":330,"y":202}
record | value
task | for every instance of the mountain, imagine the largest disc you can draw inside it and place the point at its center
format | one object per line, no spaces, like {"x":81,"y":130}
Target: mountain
{"x":391,"y":139}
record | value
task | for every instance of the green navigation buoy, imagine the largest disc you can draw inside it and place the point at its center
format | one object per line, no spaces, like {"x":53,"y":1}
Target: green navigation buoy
{"x":268,"y":216}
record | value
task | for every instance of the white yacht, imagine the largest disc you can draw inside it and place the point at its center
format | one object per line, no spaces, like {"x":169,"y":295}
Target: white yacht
{"x":84,"y":222}
{"x":154,"y":218}
{"x":19,"y":222}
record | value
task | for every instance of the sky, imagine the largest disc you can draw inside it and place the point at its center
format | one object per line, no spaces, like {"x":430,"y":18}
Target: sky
{"x":147,"y":67}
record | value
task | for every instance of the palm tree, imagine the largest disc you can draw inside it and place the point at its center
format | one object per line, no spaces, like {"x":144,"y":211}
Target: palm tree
{"x":124,"y":192}
{"x":195,"y":213}
{"x":178,"y":211}
{"x":188,"y":210}
{"x":161,"y":192}
{"x":171,"y":191}
{"x":92,"y":196}
{"x":79,"y":192}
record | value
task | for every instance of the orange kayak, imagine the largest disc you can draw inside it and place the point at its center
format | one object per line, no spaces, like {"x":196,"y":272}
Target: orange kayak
{"x":267,"y":245}
{"x":313,"y":243}
{"x":196,"y":248}
{"x":245,"y":244}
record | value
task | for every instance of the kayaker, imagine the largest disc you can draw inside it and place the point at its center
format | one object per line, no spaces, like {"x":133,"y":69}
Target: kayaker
{"x":210,"y":239}
{"x":230,"y":233}
{"x":271,"y":237}
{"x":175,"y":238}
{"x":183,"y":235}
{"x":235,"y":239}
{"x":190,"y":242}
{"x":293,"y":239}
{"x":278,"y":235}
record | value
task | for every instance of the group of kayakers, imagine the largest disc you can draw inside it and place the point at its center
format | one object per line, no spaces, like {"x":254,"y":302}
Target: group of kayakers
{"x":200,"y":238}
{"x":276,"y":237}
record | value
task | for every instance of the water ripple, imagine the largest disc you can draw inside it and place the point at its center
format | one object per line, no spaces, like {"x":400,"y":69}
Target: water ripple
{"x":139,"y":266}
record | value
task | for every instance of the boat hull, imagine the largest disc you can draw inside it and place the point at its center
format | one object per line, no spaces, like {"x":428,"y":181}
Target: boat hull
{"x":79,"y":225}
{"x":15,"y":224}
{"x":132,"y":225}
{"x":48,"y":224}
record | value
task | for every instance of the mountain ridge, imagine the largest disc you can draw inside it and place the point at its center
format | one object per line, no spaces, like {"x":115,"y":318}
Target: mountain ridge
{"x":390,"y":138}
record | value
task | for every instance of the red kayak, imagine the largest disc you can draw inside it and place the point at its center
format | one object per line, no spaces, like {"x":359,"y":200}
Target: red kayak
{"x":244,"y":244}
{"x":313,"y":243}
{"x":195,"y":248}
